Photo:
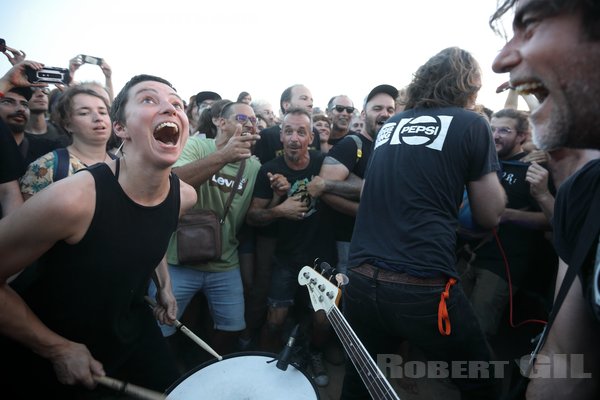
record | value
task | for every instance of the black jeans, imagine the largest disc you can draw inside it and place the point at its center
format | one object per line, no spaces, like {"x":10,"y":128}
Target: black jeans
{"x":384,"y":314}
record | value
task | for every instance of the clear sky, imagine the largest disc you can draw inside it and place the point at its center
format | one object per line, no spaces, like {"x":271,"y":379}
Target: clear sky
{"x":258,"y":46}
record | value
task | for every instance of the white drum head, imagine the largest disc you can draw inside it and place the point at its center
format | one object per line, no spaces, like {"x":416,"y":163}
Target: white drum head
{"x":246,"y":376}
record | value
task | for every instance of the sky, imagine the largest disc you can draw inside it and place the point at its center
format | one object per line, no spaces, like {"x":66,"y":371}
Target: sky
{"x":258,"y":46}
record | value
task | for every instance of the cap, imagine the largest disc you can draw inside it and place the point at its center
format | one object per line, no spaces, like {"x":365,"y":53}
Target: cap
{"x":201,"y":96}
{"x":387,"y":89}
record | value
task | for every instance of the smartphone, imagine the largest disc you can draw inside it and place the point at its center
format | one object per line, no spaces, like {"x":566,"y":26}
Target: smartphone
{"x":2,"y":45}
{"x":90,"y":60}
{"x":48,"y":75}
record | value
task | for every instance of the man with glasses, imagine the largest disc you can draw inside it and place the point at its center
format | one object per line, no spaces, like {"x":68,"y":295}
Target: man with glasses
{"x":211,"y":166}
{"x":519,"y":235}
{"x":39,"y":124}
{"x":341,"y":177}
{"x":340,"y":109}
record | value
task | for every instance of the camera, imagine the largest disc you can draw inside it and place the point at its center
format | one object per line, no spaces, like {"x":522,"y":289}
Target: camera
{"x":48,"y":75}
{"x":89,"y":59}
{"x":2,"y":45}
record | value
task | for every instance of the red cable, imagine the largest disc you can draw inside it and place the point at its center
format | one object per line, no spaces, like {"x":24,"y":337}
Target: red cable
{"x":510,"y":294}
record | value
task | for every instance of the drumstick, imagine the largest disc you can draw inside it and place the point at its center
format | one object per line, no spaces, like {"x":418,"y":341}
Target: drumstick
{"x":184,"y":329}
{"x":129,"y":389}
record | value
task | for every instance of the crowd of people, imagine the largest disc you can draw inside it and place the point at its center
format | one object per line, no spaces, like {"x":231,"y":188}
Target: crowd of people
{"x":464,"y":231}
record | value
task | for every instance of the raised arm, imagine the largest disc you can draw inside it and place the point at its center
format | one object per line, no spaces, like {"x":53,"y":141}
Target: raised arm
{"x":537,"y":176}
{"x":197,"y":172}
{"x":15,"y":56}
{"x":107,"y":71}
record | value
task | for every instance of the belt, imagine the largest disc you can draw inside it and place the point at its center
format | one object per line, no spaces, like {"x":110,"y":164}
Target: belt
{"x":385,"y":275}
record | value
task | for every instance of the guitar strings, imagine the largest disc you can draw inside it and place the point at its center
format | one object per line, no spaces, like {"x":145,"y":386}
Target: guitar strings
{"x":377,"y":382}
{"x":365,"y":365}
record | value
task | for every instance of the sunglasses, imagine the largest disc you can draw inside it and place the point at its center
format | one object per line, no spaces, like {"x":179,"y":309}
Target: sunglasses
{"x":348,"y":109}
{"x":244,"y":118}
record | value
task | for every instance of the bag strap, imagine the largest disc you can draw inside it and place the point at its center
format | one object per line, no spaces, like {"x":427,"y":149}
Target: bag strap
{"x":61,"y":164}
{"x":358,"y":142}
{"x":238,"y":177}
{"x":587,"y":238}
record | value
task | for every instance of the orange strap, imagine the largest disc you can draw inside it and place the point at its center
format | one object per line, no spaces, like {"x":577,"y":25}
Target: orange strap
{"x":443,"y":318}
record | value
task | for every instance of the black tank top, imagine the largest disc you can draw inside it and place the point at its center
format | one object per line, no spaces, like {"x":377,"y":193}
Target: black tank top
{"x":93,"y":292}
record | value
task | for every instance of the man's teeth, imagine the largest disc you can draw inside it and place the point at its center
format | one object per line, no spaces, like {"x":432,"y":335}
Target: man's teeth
{"x":168,"y":125}
{"x":527,"y":88}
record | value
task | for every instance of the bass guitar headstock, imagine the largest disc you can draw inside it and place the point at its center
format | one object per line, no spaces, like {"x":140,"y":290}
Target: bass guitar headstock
{"x":323,"y":288}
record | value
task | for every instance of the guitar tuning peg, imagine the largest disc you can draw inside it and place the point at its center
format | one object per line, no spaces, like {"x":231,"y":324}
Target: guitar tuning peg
{"x":340,"y":279}
{"x":326,"y":269}
{"x":317,"y":263}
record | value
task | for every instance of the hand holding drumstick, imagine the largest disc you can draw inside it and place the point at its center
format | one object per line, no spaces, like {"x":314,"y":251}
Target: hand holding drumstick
{"x":184,"y":329}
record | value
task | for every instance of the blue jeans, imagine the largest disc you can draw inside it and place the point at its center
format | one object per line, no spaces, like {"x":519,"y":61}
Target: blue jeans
{"x":223,"y":290}
{"x":384,"y":314}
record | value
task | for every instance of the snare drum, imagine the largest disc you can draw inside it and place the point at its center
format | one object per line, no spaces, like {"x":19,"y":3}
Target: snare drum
{"x":247,"y":375}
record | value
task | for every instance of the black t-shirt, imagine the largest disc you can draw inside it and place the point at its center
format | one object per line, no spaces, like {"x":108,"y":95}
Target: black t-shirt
{"x":269,"y":146}
{"x":517,"y":242}
{"x":573,"y":202}
{"x":421,"y":161}
{"x":299,"y":242}
{"x":55,"y":134}
{"x":12,"y":165}
{"x":346,"y":151}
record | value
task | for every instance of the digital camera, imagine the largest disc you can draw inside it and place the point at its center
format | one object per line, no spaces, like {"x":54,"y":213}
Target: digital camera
{"x":48,"y":75}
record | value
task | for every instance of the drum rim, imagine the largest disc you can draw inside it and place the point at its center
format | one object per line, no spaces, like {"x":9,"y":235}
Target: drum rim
{"x":239,"y":354}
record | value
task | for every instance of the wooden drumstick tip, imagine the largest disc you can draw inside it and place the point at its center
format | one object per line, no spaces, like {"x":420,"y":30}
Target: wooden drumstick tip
{"x":185,"y":330}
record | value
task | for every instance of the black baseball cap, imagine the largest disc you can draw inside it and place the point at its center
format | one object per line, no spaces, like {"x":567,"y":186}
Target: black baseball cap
{"x":387,"y":89}
{"x":207,"y":95}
